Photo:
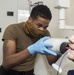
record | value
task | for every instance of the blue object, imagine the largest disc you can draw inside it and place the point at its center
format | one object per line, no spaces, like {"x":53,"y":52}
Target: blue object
{"x":70,"y":72}
{"x":41,"y":47}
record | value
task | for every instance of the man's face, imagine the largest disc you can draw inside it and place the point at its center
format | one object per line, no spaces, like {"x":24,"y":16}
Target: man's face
{"x":39,"y":23}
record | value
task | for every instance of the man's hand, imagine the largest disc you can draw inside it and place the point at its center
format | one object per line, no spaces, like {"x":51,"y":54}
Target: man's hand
{"x":41,"y":47}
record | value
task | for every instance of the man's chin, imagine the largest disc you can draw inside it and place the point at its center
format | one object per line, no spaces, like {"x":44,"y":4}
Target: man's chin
{"x":71,"y":55}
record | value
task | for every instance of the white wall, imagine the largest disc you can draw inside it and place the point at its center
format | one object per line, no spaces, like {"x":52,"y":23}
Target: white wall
{"x":41,"y":66}
{"x":6,"y":20}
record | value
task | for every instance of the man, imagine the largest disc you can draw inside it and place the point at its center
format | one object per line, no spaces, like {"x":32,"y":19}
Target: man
{"x":22,"y":41}
{"x":71,"y":55}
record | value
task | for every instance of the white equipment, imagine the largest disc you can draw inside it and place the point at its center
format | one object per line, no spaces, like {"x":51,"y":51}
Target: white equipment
{"x":60,"y":46}
{"x":62,"y":5}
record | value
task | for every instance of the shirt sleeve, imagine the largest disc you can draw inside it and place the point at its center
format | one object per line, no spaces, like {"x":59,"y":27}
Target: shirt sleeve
{"x":10,"y":33}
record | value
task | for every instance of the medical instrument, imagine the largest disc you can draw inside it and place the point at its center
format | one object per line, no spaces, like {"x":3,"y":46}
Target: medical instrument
{"x":61,"y":47}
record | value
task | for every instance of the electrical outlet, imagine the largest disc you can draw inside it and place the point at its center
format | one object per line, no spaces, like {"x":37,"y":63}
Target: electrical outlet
{"x":10,"y":13}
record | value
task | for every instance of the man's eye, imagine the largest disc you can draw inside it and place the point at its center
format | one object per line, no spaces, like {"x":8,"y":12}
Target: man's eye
{"x":39,"y":25}
{"x":45,"y":27}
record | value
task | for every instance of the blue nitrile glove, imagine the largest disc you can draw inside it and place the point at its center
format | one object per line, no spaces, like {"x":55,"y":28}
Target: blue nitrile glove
{"x":41,"y":47}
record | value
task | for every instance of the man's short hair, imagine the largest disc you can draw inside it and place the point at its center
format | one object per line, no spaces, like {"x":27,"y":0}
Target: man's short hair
{"x":42,"y":11}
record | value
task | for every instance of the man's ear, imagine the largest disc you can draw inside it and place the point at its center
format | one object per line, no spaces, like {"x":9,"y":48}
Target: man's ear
{"x":29,"y":20}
